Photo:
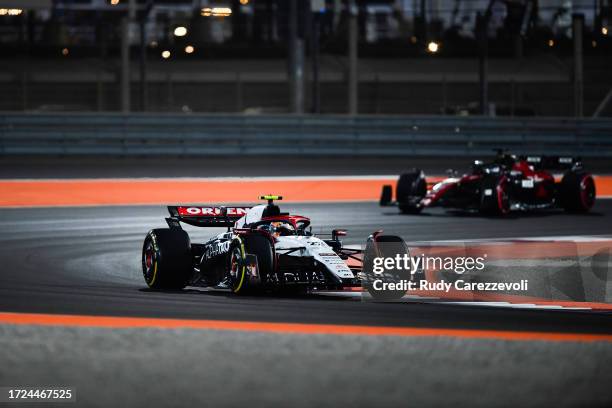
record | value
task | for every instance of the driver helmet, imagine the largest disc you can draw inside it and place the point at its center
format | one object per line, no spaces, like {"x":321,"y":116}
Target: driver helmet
{"x":282,"y":228}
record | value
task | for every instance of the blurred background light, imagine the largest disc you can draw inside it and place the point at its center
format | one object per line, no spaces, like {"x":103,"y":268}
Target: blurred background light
{"x":180,"y":31}
{"x":391,"y":36}
{"x":216,"y":11}
{"x":10,"y":12}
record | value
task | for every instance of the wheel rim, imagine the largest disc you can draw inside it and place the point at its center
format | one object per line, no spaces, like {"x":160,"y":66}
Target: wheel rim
{"x":237,"y":269}
{"x":587,"y":192}
{"x":503,"y":202}
{"x":149,"y":264}
{"x":235,"y":263}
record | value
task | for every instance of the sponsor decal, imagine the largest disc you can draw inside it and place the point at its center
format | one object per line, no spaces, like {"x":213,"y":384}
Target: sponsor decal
{"x":211,"y":211}
{"x":528,"y":183}
{"x":336,"y":264}
{"x":216,"y":249}
{"x":299,"y":277}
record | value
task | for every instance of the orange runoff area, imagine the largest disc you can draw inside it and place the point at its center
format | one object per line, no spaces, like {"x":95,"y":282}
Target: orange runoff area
{"x":166,"y":191}
{"x":289,"y":328}
{"x":18,"y":193}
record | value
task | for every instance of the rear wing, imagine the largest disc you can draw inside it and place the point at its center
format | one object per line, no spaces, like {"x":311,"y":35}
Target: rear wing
{"x":553,"y":162}
{"x":205,"y":215}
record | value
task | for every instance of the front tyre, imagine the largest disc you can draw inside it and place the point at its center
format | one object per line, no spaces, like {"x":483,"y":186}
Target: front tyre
{"x":382,"y":247}
{"x":262,"y":248}
{"x":237,"y":268}
{"x":494,"y":196}
{"x":166,"y":259}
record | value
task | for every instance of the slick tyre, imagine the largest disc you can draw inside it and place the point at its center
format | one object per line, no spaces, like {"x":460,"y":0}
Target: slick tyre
{"x":385,"y":246}
{"x":166,"y":259}
{"x":577,"y":192}
{"x":494,"y":196}
{"x":261,"y":247}
{"x":386,"y":195}
{"x":411,"y":188}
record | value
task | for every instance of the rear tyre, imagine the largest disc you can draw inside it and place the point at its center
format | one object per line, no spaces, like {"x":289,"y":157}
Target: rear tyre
{"x":411,"y":188}
{"x":166,"y":259}
{"x":494,"y":196}
{"x":261,"y":247}
{"x":577,"y":191}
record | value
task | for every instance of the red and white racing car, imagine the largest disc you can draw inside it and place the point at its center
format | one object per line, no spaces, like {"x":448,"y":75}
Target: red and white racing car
{"x":508,"y":183}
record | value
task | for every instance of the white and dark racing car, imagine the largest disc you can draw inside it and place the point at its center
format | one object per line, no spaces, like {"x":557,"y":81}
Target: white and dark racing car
{"x":262,"y":249}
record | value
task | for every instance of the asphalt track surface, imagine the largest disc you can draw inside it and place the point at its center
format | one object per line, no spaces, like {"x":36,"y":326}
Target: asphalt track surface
{"x":86,"y":261}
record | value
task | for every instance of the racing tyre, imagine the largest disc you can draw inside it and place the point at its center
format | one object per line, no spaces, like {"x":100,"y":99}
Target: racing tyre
{"x":494,"y":196}
{"x":386,"y":195}
{"x":166,"y":259}
{"x":385,"y":246}
{"x":261,"y":247}
{"x":577,"y":191}
{"x":411,"y":188}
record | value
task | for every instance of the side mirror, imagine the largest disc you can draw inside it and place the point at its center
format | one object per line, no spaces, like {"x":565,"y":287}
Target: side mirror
{"x":338,"y":233}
